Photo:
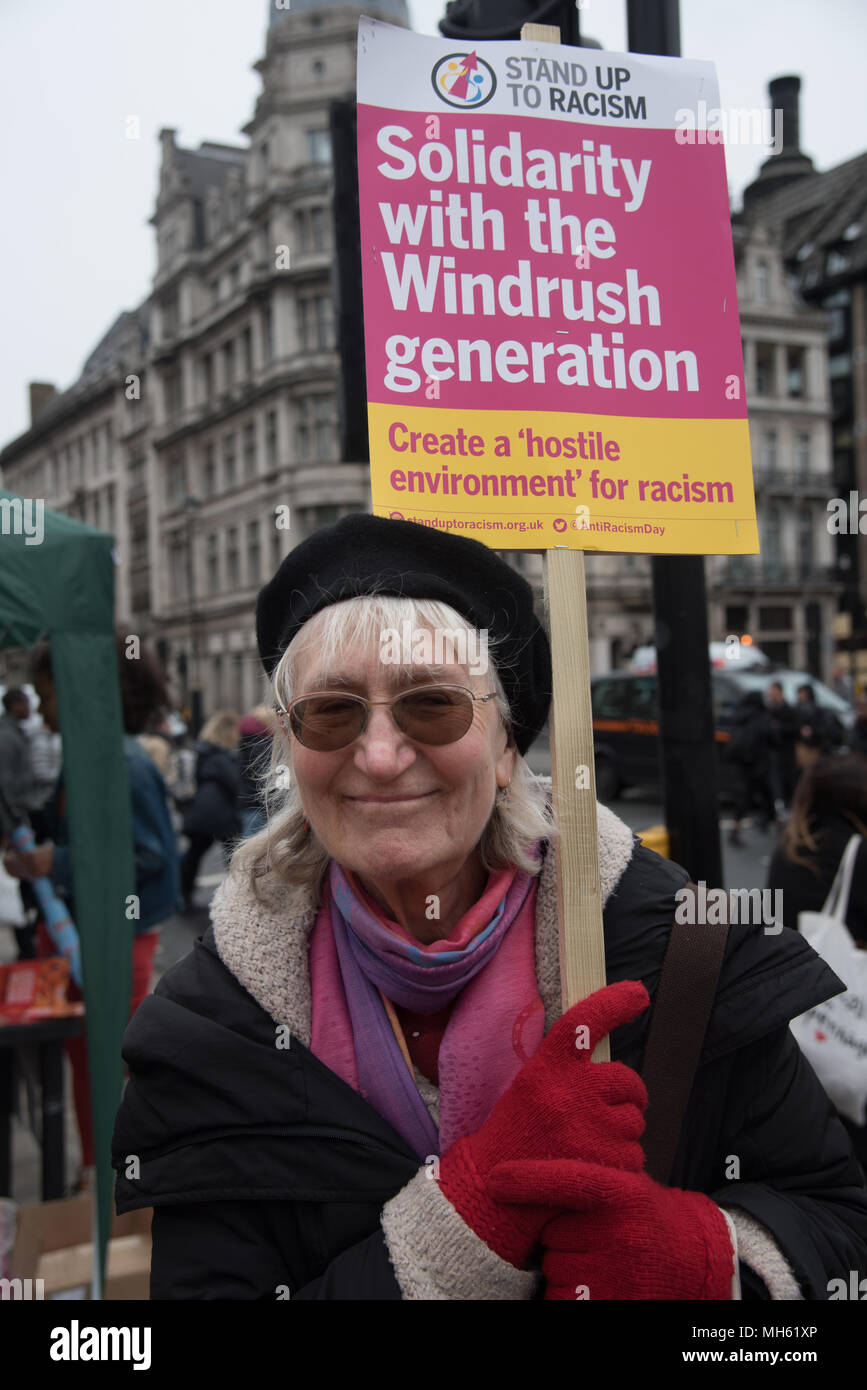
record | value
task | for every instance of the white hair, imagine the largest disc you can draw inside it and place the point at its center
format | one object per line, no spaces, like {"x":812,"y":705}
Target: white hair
{"x":285,"y":847}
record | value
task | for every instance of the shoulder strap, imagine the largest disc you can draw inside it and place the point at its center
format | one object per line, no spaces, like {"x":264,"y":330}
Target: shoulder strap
{"x":681,"y":1010}
{"x":837,"y":901}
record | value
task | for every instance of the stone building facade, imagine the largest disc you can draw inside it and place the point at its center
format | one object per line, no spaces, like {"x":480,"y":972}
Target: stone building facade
{"x":203,"y":430}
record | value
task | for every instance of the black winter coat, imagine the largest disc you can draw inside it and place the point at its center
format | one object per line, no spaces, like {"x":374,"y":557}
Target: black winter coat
{"x":805,"y":887}
{"x":214,"y":808}
{"x":268,"y":1172}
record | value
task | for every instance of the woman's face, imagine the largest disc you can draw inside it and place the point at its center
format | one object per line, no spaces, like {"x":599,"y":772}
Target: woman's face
{"x":389,"y":808}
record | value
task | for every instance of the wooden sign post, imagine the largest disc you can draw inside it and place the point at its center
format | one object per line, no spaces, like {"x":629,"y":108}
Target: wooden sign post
{"x":573,"y":772}
{"x":551,"y":318}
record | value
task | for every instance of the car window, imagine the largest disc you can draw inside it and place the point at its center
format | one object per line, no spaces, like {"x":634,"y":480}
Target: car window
{"x":725,"y":695}
{"x":644,"y":704}
{"x":608,"y":698}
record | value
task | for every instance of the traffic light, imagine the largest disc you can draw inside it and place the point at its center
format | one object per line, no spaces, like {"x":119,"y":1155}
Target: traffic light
{"x":502,"y":19}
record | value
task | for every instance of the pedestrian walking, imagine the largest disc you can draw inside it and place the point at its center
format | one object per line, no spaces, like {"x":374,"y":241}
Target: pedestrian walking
{"x":214,"y":814}
{"x":818,"y":731}
{"x":142,"y":692}
{"x":782,"y":725}
{"x":360,"y":1083}
{"x":24,"y":793}
{"x":749,"y":752}
{"x":830,"y":805}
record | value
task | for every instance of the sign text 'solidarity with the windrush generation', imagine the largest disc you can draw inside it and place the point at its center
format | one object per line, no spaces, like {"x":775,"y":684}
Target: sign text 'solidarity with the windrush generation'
{"x":551,"y":322}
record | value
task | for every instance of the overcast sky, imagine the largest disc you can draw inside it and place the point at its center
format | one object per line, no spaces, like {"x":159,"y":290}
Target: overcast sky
{"x":75,"y":245}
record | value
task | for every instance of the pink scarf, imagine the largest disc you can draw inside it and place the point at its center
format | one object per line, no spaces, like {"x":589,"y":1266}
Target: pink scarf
{"x":496,"y":1024}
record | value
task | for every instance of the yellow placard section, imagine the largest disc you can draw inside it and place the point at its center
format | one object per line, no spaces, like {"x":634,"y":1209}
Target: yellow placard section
{"x":521,"y":482}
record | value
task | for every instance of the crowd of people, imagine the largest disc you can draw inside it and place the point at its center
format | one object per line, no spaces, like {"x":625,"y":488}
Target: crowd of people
{"x":770,"y":744}
{"x":400,"y":1019}
{"x":207,"y":790}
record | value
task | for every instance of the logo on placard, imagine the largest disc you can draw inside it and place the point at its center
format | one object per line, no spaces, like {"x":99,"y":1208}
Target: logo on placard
{"x":463,"y":80}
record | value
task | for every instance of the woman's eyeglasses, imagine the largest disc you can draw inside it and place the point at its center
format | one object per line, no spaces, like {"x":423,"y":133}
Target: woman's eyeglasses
{"x":432,"y":714}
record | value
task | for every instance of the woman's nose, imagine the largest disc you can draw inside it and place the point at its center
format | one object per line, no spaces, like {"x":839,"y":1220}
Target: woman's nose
{"x":382,"y":743}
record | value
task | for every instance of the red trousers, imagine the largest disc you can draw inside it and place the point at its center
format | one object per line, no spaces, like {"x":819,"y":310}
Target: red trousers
{"x":143,"y":948}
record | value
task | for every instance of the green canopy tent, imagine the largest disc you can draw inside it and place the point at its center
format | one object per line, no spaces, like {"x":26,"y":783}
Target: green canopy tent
{"x":57,"y":581}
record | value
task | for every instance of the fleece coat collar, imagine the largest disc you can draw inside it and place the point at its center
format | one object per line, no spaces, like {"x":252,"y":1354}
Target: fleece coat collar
{"x":264,"y":941}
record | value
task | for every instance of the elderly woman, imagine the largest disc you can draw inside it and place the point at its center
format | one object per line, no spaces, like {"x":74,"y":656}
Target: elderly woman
{"x":358,"y":1084}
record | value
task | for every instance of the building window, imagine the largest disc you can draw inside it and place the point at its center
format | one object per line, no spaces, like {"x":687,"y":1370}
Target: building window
{"x":209,"y":472}
{"x":314,"y":428}
{"x":312,"y":232}
{"x":229,"y":479}
{"x":302,"y":230}
{"x":97,"y":510}
{"x":228,"y":364}
{"x":769,"y":452}
{"x":775,"y":619}
{"x":802,"y":456}
{"x":764,"y":369}
{"x":763,"y":282}
{"x":176,"y":481}
{"x":318,"y":68}
{"x":207,"y":376}
{"x":806,"y":541}
{"x":795,"y":372}
{"x":235,"y":276}
{"x":770,"y":543}
{"x":215,"y":292}
{"x":172,"y":392}
{"x":218,"y":679}
{"x":212,"y":558}
{"x":178,"y":568}
{"x":315,"y":323}
{"x":319,"y":238}
{"x":254,"y":553}
{"x":139,"y":545}
{"x":170,"y":315}
{"x":268,"y":333}
{"x":271,"y":439}
{"x":233,"y":568}
{"x":247,"y":354}
{"x":318,"y":147}
{"x":250,"y":450}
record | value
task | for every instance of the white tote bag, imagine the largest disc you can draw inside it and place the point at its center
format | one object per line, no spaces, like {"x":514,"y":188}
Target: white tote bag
{"x":833,"y":1035}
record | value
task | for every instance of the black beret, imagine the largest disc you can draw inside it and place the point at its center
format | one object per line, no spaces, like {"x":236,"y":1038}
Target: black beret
{"x":364,"y":554}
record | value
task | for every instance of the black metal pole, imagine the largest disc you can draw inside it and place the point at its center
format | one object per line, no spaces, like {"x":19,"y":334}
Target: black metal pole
{"x":686,"y":728}
{"x":346,"y":284}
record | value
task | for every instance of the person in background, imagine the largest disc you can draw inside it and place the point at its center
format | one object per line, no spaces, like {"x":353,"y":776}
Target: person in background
{"x":157,"y":741}
{"x":830,"y":805}
{"x":857,"y":736}
{"x":142,"y":692}
{"x":749,"y":753}
{"x":254,"y":751}
{"x":24,"y":796}
{"x":214,"y":812}
{"x":782,"y":723}
{"x":817,"y":728}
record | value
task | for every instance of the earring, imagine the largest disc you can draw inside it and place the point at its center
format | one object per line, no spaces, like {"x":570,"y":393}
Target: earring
{"x":503,"y":793}
{"x":306,"y":826}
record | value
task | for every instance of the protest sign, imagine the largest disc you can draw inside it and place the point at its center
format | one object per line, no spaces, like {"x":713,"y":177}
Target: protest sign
{"x":551,"y":323}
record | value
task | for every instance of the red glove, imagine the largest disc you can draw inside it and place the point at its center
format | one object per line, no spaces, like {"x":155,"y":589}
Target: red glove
{"x":625,"y":1237}
{"x":560,"y":1105}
